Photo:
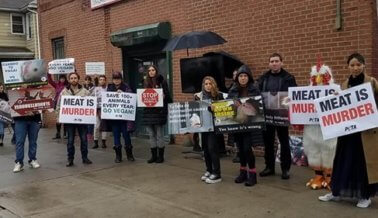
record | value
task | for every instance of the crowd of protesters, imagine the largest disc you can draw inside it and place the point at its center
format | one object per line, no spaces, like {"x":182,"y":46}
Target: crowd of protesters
{"x":349,"y":176}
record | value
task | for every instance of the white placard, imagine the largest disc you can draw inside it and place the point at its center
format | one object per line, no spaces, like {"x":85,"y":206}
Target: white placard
{"x":95,"y":68}
{"x":150,"y":97}
{"x":62,"y":66}
{"x":100,"y":3}
{"x":118,"y":106}
{"x":77,"y":110}
{"x":352,"y":110}
{"x":301,"y":107}
{"x":32,"y":72}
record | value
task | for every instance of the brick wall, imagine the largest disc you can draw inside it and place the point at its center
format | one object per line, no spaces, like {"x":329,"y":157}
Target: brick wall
{"x":254,"y":29}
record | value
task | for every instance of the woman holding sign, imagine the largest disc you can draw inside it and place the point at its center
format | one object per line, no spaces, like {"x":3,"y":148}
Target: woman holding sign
{"x":243,"y":88}
{"x":154,"y":118}
{"x":355,"y":167}
{"x":210,"y":146}
{"x":120,"y":126}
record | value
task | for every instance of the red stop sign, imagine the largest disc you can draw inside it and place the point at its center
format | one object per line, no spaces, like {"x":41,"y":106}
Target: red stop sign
{"x":150,"y":97}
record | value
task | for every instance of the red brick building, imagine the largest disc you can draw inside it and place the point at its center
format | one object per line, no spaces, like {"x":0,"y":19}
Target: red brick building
{"x":298,"y":29}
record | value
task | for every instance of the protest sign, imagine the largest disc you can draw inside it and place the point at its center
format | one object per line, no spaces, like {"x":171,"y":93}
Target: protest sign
{"x":301,"y":106}
{"x":95,"y":68}
{"x":150,"y":97}
{"x":24,"y":102}
{"x":118,"y":106}
{"x":77,"y":109}
{"x":239,"y":115}
{"x":352,"y":110}
{"x":276,"y":111}
{"x":31,"y":72}
{"x":189,"y":117}
{"x":62,"y":66}
{"x":5,"y":112}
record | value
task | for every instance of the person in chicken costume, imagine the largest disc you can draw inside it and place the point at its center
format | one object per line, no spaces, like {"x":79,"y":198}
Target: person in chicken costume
{"x":320,"y":153}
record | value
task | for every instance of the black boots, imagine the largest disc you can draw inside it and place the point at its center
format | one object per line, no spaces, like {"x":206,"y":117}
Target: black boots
{"x":70,"y":163}
{"x":267,"y":172}
{"x":242,"y":176}
{"x":285,"y":174}
{"x":251,"y":180}
{"x":129,"y":154}
{"x":103,"y":143}
{"x":160,"y":157}
{"x":153,"y":156}
{"x":57,"y":136}
{"x":118,"y":152}
{"x":95,"y":144}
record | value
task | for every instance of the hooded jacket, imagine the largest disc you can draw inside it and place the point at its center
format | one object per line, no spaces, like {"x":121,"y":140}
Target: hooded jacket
{"x":252,"y":90}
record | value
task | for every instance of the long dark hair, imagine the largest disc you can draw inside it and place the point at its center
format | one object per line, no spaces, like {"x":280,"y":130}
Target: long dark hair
{"x":149,"y":83}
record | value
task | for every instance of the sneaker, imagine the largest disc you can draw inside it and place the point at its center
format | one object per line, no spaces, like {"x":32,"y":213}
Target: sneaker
{"x":213,"y":179}
{"x":18,"y":167}
{"x":364,"y":203}
{"x":205,"y":176}
{"x":328,"y":197}
{"x":34,"y":164}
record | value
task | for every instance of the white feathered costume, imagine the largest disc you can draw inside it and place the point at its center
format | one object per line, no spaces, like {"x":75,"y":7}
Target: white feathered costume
{"x":320,"y":153}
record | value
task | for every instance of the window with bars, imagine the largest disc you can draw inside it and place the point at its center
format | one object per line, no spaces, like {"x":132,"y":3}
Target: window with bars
{"x":17,"y":24}
{"x":58,"y":48}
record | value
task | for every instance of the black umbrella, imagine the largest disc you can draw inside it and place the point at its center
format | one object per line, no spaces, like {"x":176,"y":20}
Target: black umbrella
{"x":194,"y":40}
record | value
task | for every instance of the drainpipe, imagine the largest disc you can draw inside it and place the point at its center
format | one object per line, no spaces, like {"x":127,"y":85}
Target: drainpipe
{"x":338,"y":23}
{"x":38,"y":48}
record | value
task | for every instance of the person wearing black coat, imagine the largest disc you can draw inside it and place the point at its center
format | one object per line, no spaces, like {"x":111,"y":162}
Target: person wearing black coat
{"x":154,"y":118}
{"x":4,"y":97}
{"x":120,"y":126}
{"x":276,"y":79}
{"x":244,"y":87}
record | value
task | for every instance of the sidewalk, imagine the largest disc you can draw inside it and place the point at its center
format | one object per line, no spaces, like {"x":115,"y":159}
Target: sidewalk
{"x":172,"y":189}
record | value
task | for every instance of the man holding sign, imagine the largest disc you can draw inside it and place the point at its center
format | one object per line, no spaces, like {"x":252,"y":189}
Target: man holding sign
{"x":355,"y":167}
{"x":75,"y":89}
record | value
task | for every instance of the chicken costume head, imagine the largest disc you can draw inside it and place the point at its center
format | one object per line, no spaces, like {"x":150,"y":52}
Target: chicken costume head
{"x":321,"y":74}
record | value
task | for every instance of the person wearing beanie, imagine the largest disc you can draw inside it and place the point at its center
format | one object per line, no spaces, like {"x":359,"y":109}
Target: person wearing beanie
{"x":154,"y":118}
{"x":276,"y":79}
{"x":120,"y":126}
{"x":244,"y":87}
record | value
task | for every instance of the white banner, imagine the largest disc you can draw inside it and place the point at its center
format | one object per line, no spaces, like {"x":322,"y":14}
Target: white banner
{"x":118,"y":106}
{"x":95,"y":68}
{"x":31,"y":72}
{"x":301,"y":107}
{"x":100,"y":3}
{"x":352,"y":110}
{"x":150,"y":97}
{"x":62,"y":66}
{"x":77,"y":110}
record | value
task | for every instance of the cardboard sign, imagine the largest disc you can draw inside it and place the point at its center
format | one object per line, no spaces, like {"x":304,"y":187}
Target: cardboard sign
{"x":77,"y":110}
{"x":62,"y":66}
{"x":95,"y":68}
{"x":5,"y":112}
{"x":31,"y":72}
{"x":24,"y":102}
{"x":352,"y":110}
{"x":276,"y":110}
{"x":189,"y":117}
{"x":301,"y":106}
{"x":239,"y":115}
{"x":118,"y":106}
{"x":150,"y":97}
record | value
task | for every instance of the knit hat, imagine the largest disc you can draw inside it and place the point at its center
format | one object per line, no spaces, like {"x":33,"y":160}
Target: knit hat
{"x":117,"y":75}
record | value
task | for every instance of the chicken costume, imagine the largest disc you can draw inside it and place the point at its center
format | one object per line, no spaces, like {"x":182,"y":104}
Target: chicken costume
{"x":320,"y":153}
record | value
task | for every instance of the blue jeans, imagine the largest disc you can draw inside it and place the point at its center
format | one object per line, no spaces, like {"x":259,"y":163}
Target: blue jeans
{"x":23,"y":128}
{"x":119,"y":127}
{"x":82,"y":130}
{"x":1,"y":128}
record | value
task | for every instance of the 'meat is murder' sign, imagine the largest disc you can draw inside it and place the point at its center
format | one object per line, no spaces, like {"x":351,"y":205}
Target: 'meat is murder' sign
{"x":352,"y":110}
{"x":150,"y":97}
{"x":78,"y":110}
